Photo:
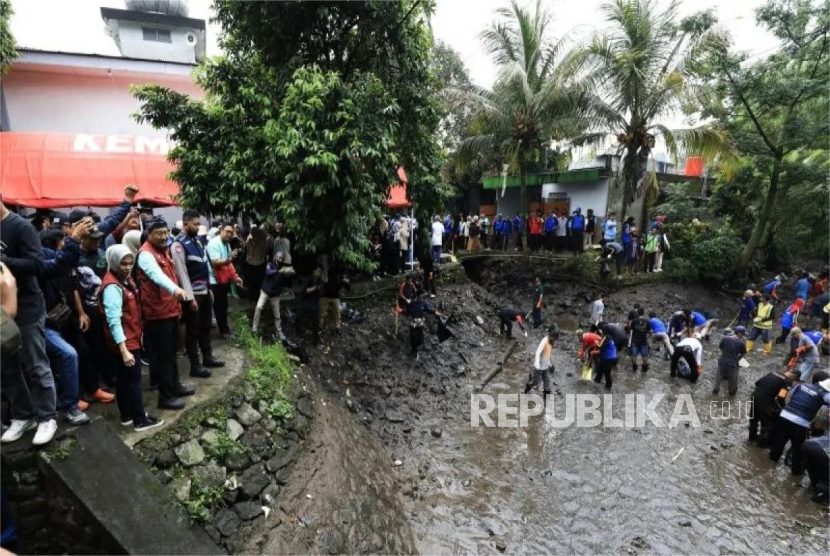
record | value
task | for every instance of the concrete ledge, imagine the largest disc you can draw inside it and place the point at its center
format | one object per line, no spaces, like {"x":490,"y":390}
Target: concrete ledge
{"x":118,"y":493}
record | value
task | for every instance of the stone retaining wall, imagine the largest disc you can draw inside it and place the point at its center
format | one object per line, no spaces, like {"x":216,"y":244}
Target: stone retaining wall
{"x":227,"y":463}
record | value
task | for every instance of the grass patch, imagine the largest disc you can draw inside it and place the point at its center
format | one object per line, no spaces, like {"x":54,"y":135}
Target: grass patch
{"x":271,"y":374}
{"x":202,"y":501}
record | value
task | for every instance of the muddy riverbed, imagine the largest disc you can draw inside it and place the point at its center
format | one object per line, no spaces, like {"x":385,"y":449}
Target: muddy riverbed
{"x":546,"y":489}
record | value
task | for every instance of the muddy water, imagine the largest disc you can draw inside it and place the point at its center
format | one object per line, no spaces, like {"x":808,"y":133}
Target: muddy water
{"x":603,"y":490}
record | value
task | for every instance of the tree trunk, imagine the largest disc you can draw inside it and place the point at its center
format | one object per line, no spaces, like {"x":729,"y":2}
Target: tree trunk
{"x":629,"y":179}
{"x":520,"y":161}
{"x":763,"y":219}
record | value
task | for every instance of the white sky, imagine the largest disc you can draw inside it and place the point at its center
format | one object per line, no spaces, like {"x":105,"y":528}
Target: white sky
{"x":76,"y":26}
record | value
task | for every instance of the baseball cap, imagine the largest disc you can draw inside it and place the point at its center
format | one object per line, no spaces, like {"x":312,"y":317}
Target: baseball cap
{"x":78,"y":214}
{"x":59,"y":220}
{"x":740,"y":329}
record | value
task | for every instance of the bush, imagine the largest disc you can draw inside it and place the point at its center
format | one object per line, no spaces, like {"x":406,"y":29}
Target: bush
{"x":715,"y":256}
{"x":681,"y":270}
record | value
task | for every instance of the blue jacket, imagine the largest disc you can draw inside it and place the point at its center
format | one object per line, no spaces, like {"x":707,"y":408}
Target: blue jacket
{"x":787,"y":318}
{"x":657,"y":326}
{"x":626,"y":233}
{"x":505,"y":226}
{"x":448,"y":226}
{"x":814,"y":335}
{"x":551,"y":223}
{"x":802,"y":288}
{"x":747,"y":308}
{"x":805,"y":402}
{"x":769,"y":288}
{"x":518,"y":225}
{"x":609,"y":348}
{"x":576,"y":223}
{"x":498,"y":225}
{"x":698,"y":319}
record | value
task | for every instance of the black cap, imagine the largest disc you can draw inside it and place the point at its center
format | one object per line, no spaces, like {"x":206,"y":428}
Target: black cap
{"x":59,"y":219}
{"x":95,"y":233}
{"x":50,"y":238}
{"x":78,"y":214}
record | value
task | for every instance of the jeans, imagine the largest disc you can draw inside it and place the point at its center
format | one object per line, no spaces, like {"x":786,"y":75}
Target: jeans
{"x":98,"y":361}
{"x":604,"y":370}
{"x":220,"y":306}
{"x":128,"y":390}
{"x":197,"y":330}
{"x":436,"y":253}
{"x":163,"y":338}
{"x":765,"y":416}
{"x":785,"y":431}
{"x":686,"y":353}
{"x":726,"y":372}
{"x":818,"y":465}
{"x":806,"y":370}
{"x":275,"y":308}
{"x":66,"y":363}
{"x":762,"y":332}
{"x":30,"y":386}
{"x":536,"y":377}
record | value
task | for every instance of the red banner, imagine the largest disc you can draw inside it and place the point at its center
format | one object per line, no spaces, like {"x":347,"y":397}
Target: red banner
{"x":51,"y":170}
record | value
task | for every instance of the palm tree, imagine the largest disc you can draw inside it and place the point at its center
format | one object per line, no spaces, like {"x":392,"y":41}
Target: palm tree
{"x":638,"y":74}
{"x":533,"y":101}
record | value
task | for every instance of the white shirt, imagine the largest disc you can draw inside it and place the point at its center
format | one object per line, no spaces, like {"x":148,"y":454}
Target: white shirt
{"x":542,"y":360}
{"x":563,"y":227}
{"x":597,"y":308}
{"x":437,"y":233}
{"x":697,"y":348}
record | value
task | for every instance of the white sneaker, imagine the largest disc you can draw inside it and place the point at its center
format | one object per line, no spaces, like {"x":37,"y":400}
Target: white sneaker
{"x":45,"y":432}
{"x":17,"y":429}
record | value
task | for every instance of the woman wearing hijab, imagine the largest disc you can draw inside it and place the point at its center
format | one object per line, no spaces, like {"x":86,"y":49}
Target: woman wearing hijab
{"x":119,"y":297}
{"x":132,"y":240}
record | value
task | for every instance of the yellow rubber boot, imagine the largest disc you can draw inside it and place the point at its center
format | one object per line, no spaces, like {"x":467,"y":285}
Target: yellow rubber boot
{"x":750,"y":346}
{"x":768,"y":348}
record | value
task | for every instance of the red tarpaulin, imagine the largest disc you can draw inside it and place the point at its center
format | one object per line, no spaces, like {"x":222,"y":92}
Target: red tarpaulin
{"x":694,"y":166}
{"x":51,"y":170}
{"x":397,"y":193}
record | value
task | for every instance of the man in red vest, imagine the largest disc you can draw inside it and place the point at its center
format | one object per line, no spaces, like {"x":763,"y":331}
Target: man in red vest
{"x":161,"y":299}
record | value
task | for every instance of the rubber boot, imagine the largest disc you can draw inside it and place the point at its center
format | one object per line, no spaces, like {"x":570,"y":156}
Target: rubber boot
{"x":750,"y":346}
{"x":645,"y":367}
{"x":634,"y":367}
{"x":768,"y":348}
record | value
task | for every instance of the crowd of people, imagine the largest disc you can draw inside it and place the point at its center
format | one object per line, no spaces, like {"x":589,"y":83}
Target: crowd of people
{"x":88,"y":301}
{"x":786,"y":404}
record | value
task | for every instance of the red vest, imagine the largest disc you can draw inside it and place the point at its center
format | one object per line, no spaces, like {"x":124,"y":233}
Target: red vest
{"x":156,"y":303}
{"x":130,"y":312}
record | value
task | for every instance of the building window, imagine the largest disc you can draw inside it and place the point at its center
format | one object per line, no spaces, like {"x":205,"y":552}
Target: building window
{"x":157,"y":35}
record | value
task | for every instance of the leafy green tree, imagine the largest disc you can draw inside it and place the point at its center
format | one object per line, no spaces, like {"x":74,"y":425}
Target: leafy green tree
{"x":776,"y":109}
{"x":308,"y":113}
{"x":7,"y":45}
{"x":638,"y":72}
{"x":534,"y":100}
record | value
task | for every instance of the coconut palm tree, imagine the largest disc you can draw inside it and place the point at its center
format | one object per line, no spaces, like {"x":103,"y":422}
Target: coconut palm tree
{"x":534,"y":98}
{"x":637,"y":69}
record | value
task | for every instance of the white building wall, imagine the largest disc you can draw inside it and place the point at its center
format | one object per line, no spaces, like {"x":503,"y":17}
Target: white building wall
{"x":179,"y":49}
{"x":585,"y":195}
{"x":65,"y":103}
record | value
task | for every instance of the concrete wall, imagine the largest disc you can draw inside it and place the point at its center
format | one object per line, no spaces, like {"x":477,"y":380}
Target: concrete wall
{"x":68,"y":103}
{"x":133,"y":44}
{"x":586,"y":195}
{"x":509,"y":204}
